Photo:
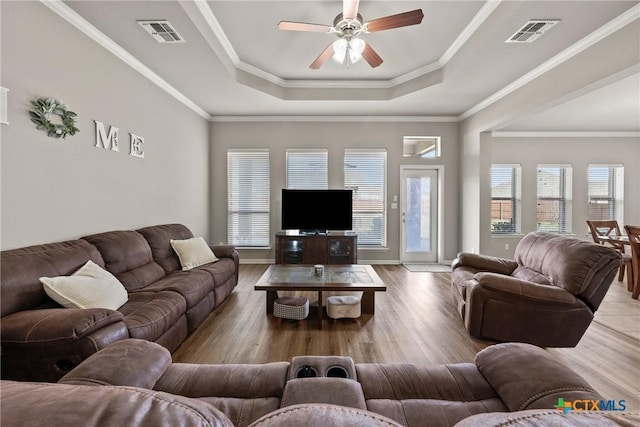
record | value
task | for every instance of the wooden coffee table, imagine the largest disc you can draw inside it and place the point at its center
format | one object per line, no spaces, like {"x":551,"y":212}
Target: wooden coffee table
{"x":336,"y":278}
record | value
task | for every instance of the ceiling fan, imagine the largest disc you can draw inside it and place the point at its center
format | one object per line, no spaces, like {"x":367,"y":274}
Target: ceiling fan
{"x":348,"y":26}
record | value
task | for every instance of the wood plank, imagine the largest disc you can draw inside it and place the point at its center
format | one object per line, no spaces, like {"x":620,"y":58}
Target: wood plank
{"x":415,"y":322}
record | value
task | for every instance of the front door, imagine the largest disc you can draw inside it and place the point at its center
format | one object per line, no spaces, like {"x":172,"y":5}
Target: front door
{"x":419,"y":216}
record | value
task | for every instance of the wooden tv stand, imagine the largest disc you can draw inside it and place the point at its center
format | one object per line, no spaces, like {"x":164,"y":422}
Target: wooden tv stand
{"x":336,"y":247}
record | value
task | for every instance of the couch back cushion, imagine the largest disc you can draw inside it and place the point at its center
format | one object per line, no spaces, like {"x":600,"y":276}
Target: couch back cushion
{"x":32,"y":404}
{"x":21,"y":268}
{"x":578,"y":266}
{"x":127,"y":256}
{"x":159,"y":239}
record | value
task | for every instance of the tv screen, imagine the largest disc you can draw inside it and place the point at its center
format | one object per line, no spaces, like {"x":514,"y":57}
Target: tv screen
{"x":316,"y":211}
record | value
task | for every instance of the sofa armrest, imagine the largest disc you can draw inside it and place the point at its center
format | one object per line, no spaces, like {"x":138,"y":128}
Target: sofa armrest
{"x":522,"y":288}
{"x":223,"y":251}
{"x":55,"y":325}
{"x":528,"y":377}
{"x":484,"y":263}
{"x":131,"y":362}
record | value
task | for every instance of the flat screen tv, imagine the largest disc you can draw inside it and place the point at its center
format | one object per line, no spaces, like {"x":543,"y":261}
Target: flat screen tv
{"x":316,"y":211}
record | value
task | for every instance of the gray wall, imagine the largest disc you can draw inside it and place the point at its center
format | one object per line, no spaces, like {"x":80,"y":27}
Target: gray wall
{"x":616,"y":57}
{"x":61,"y":189}
{"x":335,"y":136}
{"x":529,"y":152}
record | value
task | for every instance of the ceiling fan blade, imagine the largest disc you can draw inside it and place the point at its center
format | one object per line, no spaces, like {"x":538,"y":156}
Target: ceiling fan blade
{"x":303,"y":26}
{"x":371,"y":56}
{"x":322,"y":58}
{"x":394,"y":21}
{"x":350,"y":9}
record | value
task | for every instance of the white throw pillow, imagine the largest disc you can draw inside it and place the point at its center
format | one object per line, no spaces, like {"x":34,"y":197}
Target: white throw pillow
{"x":193,"y":252}
{"x":89,"y":287}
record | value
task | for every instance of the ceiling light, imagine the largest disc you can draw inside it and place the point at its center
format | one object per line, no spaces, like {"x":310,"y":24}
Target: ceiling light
{"x":340,"y":50}
{"x":351,"y":48}
{"x":356,"y":47}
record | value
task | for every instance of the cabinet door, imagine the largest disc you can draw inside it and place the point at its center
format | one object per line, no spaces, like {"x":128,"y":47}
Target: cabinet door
{"x":315,"y":251}
{"x":341,"y":250}
{"x":292,"y":251}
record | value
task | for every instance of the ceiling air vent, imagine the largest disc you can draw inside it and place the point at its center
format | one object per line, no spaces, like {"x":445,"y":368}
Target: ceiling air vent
{"x":532,"y":30}
{"x":162,"y":31}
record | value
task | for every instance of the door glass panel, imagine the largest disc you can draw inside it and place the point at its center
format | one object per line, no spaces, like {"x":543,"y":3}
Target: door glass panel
{"x":418,"y":215}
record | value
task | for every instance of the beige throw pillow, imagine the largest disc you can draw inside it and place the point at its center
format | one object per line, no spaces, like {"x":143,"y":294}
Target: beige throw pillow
{"x":89,"y":287}
{"x":193,"y":252}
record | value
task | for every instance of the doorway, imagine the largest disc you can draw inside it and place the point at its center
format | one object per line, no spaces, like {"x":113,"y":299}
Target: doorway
{"x":419,"y":204}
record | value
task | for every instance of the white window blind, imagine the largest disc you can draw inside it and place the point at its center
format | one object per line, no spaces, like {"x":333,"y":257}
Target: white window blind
{"x":506,"y":199}
{"x":554,"y":198}
{"x":307,"y":169}
{"x":606,"y":192}
{"x":365,"y":173}
{"x":248,"y":194}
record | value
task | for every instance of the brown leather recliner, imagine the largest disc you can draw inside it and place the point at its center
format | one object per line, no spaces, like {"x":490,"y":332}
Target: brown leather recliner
{"x":546,"y":296}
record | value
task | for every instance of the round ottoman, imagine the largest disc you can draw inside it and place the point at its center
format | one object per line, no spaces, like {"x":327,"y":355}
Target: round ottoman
{"x":343,"y":306}
{"x":292,"y":308}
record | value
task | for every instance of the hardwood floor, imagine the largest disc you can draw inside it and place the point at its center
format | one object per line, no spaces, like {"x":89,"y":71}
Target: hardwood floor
{"x":415,"y":322}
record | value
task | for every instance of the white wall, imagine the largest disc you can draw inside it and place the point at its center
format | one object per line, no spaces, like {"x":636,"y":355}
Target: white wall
{"x":54,"y":189}
{"x":335,"y":136}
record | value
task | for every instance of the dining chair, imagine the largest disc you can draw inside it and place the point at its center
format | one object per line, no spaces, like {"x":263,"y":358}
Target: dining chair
{"x":633,"y":231}
{"x":608,"y":228}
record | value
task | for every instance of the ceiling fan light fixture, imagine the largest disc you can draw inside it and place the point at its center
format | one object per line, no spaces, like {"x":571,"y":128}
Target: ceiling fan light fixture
{"x":356,"y":47}
{"x":340,"y":50}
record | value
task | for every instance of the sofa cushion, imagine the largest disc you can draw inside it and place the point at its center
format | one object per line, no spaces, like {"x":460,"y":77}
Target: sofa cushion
{"x":193,"y":252}
{"x":148,"y":315}
{"x":61,"y":405}
{"x":158,"y":237}
{"x":324,"y":415}
{"x":524,"y":273}
{"x":193,"y":285}
{"x":128,"y":256}
{"x":443,"y":394}
{"x":22,"y":268}
{"x":552,"y":417}
{"x":221,"y":270}
{"x":89,"y":287}
{"x":571,"y":264}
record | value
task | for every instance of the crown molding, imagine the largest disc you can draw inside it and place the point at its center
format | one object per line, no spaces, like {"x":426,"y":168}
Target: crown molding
{"x":383,"y":119}
{"x":606,"y":30}
{"x":219,"y":42}
{"x":565,"y":134}
{"x":99,"y":37}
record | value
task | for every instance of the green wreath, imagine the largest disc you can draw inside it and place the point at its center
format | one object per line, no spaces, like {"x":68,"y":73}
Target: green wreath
{"x":41,"y":115}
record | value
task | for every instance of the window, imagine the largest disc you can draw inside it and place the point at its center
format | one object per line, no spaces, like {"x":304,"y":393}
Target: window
{"x":554,"y":198}
{"x":426,"y":147}
{"x":505,"y":199}
{"x":307,"y":169}
{"x":365,"y":173}
{"x":606,"y":192}
{"x":248,"y":197}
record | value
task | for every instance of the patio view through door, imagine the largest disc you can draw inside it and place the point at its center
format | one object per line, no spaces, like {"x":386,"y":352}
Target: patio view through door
{"x":419,"y":215}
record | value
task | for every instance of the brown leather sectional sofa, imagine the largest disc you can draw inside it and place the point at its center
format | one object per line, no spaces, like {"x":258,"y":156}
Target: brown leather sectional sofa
{"x":41,"y":341}
{"x":547,"y":295}
{"x":134,"y":383}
